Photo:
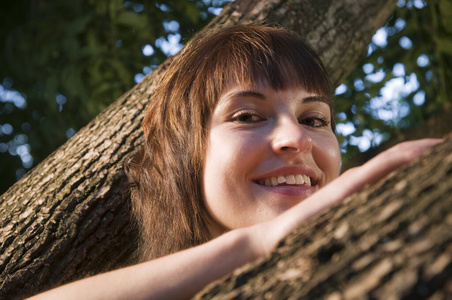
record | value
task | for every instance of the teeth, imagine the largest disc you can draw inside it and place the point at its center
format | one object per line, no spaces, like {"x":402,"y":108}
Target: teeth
{"x":274,"y":181}
{"x":290,"y":179}
{"x":298,"y":179}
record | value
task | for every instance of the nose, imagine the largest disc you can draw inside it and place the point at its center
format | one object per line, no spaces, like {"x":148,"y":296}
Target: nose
{"x":291,"y":137}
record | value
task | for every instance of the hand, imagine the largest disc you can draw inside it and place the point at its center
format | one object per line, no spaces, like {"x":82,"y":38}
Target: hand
{"x":391,"y":159}
{"x":336,"y":191}
{"x":184,"y":273}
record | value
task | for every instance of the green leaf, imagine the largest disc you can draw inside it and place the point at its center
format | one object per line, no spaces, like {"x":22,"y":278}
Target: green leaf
{"x":443,"y":44}
{"x":132,"y":19}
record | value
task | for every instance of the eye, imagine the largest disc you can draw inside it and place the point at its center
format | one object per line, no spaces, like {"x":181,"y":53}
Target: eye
{"x":315,"y":121}
{"x":246,"y":117}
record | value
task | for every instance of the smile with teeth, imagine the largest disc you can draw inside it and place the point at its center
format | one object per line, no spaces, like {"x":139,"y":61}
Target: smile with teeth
{"x":286,"y":180}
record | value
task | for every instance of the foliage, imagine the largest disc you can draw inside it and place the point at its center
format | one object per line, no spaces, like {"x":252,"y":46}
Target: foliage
{"x":62,"y":62}
{"x":404,"y":79}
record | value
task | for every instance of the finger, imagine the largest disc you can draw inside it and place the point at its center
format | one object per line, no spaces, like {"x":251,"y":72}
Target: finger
{"x":348,"y":183}
{"x":393,"y":158}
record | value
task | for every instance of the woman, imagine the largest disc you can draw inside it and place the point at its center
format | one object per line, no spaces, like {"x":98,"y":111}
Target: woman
{"x":239,"y":140}
{"x":168,"y":174}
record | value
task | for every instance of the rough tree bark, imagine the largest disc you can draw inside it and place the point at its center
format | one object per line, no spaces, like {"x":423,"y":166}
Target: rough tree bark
{"x":390,"y":241}
{"x":69,"y":217}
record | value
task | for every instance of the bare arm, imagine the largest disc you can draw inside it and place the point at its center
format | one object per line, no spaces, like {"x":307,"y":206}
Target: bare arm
{"x":182,"y":274}
{"x":177,"y":276}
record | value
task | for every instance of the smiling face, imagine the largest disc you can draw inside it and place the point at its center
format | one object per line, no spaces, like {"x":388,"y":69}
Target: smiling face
{"x":267,"y":150}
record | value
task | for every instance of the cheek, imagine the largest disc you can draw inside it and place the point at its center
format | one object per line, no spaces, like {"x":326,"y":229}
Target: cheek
{"x":230,"y":159}
{"x":218,"y":194}
{"x":220,"y":169}
{"x":231,"y":153}
{"x":328,"y":157}
{"x":213,"y":188}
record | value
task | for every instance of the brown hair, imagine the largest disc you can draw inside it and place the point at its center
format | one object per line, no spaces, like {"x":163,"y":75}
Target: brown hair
{"x":166,"y":175}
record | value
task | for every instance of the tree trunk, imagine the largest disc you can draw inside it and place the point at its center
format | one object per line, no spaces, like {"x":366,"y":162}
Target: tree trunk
{"x":390,"y":241}
{"x":69,"y":216}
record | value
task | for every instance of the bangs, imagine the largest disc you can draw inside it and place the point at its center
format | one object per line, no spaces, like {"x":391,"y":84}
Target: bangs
{"x":272,"y":56}
{"x":247,"y":55}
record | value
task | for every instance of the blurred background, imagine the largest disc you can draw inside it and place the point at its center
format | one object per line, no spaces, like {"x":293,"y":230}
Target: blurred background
{"x":62,"y":62}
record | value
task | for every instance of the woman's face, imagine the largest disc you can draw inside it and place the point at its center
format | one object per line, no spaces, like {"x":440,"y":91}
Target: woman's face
{"x":267,"y":150}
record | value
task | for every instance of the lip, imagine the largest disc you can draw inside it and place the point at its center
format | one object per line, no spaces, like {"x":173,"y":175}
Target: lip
{"x":290,"y":170}
{"x":292,"y":191}
{"x":300,"y":191}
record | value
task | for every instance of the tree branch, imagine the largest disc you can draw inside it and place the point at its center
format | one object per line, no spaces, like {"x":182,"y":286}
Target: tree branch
{"x":69,"y":216}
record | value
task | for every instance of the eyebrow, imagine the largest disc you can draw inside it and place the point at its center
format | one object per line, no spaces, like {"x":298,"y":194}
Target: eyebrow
{"x":255,"y":94}
{"x":317,"y":99}
{"x":248,"y":93}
